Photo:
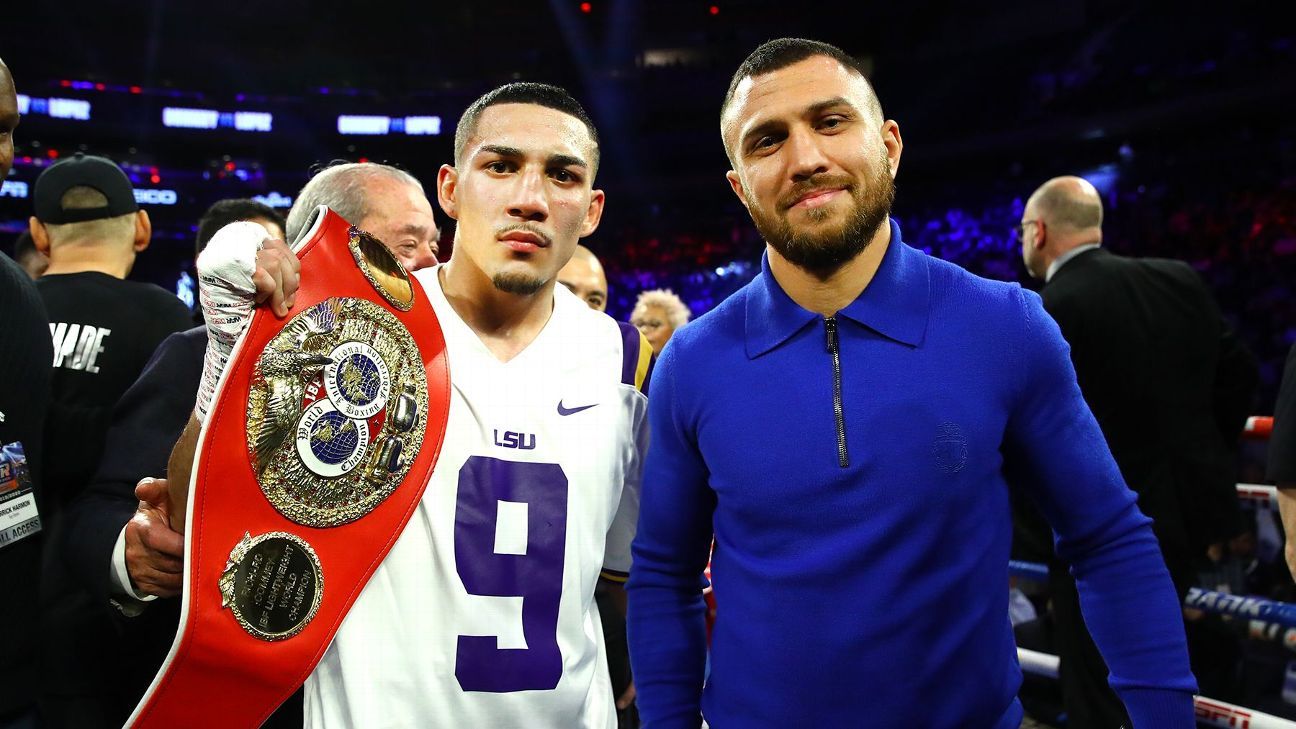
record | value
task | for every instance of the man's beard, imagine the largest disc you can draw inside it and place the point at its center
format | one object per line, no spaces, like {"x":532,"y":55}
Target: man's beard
{"x":823,"y":253}
{"x":521,"y":284}
{"x":518,"y":283}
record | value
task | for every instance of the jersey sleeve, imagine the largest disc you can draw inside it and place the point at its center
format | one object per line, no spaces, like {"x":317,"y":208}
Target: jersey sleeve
{"x":636,"y":372}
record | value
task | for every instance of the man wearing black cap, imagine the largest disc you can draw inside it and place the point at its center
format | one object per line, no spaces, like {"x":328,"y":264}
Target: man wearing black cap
{"x":104,"y":329}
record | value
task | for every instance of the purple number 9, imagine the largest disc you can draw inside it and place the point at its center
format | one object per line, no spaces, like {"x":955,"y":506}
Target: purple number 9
{"x":535,"y":576}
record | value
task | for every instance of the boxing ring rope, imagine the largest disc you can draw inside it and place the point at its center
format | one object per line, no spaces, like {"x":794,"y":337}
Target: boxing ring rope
{"x":1258,"y":427}
{"x":1256,"y":609}
{"x":1258,"y":493}
{"x":1207,"y":711}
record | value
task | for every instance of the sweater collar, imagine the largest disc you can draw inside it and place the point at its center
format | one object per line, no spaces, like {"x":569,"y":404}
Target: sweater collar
{"x":895,"y":303}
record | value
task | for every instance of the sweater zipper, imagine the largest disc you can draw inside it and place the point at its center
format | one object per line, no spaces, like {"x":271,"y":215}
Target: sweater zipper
{"x":830,"y":329}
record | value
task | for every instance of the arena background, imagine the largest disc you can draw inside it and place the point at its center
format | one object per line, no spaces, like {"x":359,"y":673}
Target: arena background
{"x":1181,"y":114}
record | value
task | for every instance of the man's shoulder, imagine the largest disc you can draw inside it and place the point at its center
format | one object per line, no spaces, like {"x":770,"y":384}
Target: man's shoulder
{"x":718,"y":328}
{"x":969,"y":293}
{"x":1171,"y":267}
{"x":582,"y":323}
{"x":188,"y":344}
{"x":153,"y":293}
{"x":596,"y":339}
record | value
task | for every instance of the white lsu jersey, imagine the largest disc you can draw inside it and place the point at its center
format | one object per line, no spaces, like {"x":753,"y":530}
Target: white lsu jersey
{"x":482,"y":615}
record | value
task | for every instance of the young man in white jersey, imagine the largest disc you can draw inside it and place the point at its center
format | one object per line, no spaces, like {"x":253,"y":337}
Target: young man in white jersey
{"x":482,"y":614}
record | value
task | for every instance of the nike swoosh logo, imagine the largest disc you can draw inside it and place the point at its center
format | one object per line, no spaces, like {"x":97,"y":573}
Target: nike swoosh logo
{"x":572,"y":411}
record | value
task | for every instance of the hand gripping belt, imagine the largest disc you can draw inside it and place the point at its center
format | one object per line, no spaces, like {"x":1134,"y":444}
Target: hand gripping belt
{"x":220,"y":672}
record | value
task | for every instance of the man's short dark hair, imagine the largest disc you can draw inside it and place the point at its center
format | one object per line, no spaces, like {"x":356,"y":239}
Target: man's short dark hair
{"x":783,"y":52}
{"x":225,"y":212}
{"x":524,"y":92}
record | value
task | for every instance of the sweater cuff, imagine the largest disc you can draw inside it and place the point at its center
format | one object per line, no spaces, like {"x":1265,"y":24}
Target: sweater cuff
{"x":1159,"y":708}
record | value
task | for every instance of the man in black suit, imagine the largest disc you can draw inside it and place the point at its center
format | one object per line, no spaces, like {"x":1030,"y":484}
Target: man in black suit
{"x":1169,"y":384}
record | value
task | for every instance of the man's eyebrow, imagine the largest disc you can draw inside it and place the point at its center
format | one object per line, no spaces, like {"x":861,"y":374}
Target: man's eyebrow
{"x":818,"y":107}
{"x":827,"y":104}
{"x":414,"y":229}
{"x":567,"y":160}
{"x":501,"y":150}
{"x":564,"y":160}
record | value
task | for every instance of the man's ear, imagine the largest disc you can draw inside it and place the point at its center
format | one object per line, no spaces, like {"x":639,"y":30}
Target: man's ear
{"x":40,"y":235}
{"x":143,"y":231}
{"x":735,"y":184}
{"x":594,"y":214}
{"x":894,"y":144}
{"x":447,"y":190}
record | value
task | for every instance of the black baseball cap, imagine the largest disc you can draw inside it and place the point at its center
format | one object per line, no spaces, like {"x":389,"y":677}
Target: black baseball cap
{"x":83,"y":170}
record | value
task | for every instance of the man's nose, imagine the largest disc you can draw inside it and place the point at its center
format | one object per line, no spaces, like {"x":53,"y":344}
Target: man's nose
{"x":805,"y":155}
{"x":529,"y":201}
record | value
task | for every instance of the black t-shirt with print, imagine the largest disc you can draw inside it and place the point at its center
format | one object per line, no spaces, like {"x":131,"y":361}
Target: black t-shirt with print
{"x":104,"y":330}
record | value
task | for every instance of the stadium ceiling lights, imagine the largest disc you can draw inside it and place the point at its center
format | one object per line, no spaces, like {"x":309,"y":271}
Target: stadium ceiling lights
{"x":243,"y":121}
{"x":414,"y":126}
{"x":54,"y":107}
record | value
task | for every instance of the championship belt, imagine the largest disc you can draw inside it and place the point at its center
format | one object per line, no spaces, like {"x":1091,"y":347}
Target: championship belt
{"x":322,"y":437}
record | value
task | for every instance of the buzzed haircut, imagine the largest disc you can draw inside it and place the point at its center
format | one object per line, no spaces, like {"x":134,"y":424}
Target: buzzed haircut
{"x":1064,"y":209}
{"x":524,"y":92}
{"x":225,"y":212}
{"x":83,"y":197}
{"x":783,"y":52}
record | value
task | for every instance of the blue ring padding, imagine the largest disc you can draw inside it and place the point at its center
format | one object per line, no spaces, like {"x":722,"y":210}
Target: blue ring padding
{"x":1210,"y":601}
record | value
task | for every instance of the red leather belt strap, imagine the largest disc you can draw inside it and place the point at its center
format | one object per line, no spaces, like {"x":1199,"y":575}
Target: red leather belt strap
{"x":218,"y":673}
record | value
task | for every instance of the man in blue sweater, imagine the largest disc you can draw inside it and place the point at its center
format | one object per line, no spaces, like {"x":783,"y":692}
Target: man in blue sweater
{"x":847,"y":425}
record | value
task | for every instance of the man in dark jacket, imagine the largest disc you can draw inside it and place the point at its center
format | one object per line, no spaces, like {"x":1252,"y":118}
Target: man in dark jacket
{"x":25,"y":356}
{"x":1170,"y":385}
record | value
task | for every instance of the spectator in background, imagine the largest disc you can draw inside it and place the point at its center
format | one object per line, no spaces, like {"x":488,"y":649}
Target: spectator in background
{"x":384,"y":201}
{"x":33,"y":262}
{"x":104,"y":329}
{"x":25,"y":356}
{"x":658,"y":313}
{"x":583,"y":275}
{"x":1171,"y":386}
{"x":130,"y":564}
{"x":224,"y":212}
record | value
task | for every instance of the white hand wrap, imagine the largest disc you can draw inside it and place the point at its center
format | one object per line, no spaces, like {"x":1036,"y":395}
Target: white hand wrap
{"x":227,"y":294}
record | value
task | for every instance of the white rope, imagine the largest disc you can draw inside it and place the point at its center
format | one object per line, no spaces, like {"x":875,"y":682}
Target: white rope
{"x":1258,"y":492}
{"x":1207,"y":711}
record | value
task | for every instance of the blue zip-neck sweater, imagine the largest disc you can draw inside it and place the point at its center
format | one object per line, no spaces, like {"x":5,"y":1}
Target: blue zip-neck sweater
{"x":860,"y":512}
